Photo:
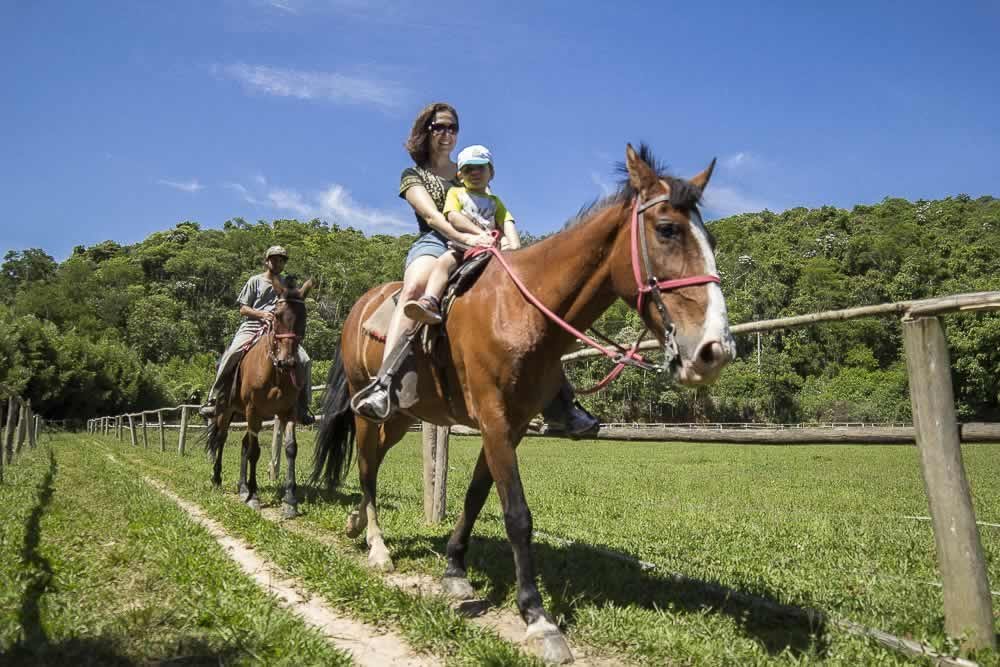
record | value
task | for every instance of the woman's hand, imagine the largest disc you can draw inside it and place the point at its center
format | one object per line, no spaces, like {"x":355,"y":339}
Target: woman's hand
{"x":480,"y":239}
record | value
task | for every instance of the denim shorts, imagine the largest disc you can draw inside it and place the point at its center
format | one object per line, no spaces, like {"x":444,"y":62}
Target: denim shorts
{"x":429,"y":243}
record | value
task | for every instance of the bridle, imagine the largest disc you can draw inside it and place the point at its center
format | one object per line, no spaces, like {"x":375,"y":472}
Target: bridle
{"x":654,"y":286}
{"x":651,"y":285}
{"x":272,"y":344}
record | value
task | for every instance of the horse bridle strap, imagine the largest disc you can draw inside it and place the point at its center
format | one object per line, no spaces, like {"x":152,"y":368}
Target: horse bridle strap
{"x":654,"y":286}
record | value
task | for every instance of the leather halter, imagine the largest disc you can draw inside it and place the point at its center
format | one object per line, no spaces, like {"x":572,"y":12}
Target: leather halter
{"x":274,"y":337}
{"x":654,"y":286}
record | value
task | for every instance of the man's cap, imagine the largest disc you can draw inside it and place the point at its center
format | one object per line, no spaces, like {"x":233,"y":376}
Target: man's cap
{"x":275,"y":250}
{"x":474,"y":155}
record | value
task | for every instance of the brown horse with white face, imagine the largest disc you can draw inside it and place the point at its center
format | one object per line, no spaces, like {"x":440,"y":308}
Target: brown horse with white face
{"x":646,"y":245}
{"x":269,"y":386}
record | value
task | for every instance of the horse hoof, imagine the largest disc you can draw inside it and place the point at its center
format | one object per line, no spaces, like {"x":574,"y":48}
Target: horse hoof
{"x":254,"y":504}
{"x":380,"y":562}
{"x":457,"y":588}
{"x":288,"y":511}
{"x":544,"y":639}
{"x":354,"y":525}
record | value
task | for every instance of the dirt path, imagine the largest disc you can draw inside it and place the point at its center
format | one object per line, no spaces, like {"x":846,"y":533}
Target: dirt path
{"x":504,"y":622}
{"x":369,"y":646}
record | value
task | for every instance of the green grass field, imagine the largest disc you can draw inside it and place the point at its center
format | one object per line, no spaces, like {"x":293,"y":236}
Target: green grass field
{"x":818,"y":527}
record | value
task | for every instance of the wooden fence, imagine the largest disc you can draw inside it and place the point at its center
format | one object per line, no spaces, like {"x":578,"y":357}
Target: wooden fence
{"x":21,"y":425}
{"x":935,"y":429}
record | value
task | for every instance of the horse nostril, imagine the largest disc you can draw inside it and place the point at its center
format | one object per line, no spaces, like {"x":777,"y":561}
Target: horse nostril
{"x":711,"y":354}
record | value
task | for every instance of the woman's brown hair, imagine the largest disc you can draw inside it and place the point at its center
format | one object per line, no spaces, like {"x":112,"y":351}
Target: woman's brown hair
{"x":418,"y":145}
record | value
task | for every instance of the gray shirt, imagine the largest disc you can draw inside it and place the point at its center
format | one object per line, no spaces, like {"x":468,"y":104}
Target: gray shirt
{"x":258,"y":294}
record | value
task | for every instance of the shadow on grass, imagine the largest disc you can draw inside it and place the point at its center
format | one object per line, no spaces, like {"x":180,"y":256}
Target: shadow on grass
{"x":102,"y":651}
{"x":578,"y":575}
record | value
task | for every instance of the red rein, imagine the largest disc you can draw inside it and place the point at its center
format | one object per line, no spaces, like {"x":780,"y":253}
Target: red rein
{"x":631,"y":357}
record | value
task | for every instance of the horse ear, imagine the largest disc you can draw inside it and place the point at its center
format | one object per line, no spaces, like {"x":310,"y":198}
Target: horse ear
{"x":701,"y":180}
{"x":304,"y":290}
{"x":640,"y":176}
{"x":279,"y":287}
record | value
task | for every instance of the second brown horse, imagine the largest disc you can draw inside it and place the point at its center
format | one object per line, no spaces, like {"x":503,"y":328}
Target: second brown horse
{"x":505,"y":356}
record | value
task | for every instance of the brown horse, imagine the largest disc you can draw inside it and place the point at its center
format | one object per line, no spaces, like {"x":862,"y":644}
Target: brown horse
{"x":266,"y":385}
{"x":505,"y":356}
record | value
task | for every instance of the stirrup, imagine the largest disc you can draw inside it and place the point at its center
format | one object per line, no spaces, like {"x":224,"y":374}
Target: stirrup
{"x":360,"y":407}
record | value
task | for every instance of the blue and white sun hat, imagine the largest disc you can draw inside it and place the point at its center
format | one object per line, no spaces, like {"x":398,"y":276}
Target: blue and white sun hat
{"x":474,"y":154}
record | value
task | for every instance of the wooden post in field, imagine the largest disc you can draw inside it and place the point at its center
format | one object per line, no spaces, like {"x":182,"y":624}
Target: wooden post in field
{"x":121,"y":427}
{"x":182,"y":436}
{"x":8,"y":440}
{"x":159,"y":420}
{"x":145,"y":438}
{"x":968,"y":607}
{"x":30,"y":425}
{"x":441,"y":472}
{"x":429,"y":437}
{"x":275,"y":468}
{"x":38,"y":428}
{"x":131,"y":430}
{"x":22,"y":426}
{"x":1,"y":447}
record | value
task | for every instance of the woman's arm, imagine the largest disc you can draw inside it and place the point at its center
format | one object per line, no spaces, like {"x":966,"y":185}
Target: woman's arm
{"x":511,"y":236}
{"x":417,"y":197}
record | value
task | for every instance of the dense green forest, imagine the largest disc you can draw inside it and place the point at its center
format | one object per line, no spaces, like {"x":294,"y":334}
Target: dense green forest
{"x":117,"y":327}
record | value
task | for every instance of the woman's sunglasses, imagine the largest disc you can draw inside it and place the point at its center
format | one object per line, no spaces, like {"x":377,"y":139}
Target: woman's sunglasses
{"x":441,"y":128}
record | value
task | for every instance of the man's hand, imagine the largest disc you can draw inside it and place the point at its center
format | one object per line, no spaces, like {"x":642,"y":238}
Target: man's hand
{"x":265,"y":316}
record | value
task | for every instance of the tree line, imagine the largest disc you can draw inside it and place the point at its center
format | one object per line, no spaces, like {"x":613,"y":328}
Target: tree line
{"x":116,"y":327}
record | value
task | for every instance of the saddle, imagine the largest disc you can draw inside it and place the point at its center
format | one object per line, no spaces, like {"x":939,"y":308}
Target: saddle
{"x":432,"y":338}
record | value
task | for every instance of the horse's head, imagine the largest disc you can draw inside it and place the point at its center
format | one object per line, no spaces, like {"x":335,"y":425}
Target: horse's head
{"x":289,"y":321}
{"x":665,"y":266}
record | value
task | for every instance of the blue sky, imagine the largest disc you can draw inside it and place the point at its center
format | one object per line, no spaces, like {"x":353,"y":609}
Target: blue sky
{"x":123,"y":118}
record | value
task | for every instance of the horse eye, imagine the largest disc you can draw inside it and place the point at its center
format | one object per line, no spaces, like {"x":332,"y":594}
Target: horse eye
{"x":668,"y":231}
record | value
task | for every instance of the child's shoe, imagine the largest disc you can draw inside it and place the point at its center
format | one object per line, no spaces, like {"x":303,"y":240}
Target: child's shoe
{"x":426,"y":309}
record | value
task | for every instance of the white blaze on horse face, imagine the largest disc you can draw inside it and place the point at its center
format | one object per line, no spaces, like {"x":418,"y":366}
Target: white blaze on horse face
{"x":716,"y":327}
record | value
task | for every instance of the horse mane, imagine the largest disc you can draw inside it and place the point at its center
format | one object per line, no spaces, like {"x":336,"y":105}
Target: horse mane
{"x":683,"y":194}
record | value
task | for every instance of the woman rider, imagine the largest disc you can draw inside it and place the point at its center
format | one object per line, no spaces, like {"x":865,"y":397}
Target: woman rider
{"x":424,"y":187}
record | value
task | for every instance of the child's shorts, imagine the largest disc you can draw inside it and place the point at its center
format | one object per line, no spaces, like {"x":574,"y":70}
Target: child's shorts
{"x":429,"y":243}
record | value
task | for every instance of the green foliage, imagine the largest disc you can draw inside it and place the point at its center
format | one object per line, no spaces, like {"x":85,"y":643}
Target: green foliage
{"x":163,"y":309}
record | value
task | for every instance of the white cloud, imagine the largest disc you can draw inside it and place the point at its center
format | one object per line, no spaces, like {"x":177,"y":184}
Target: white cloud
{"x":308,"y":85}
{"x":183,"y":186}
{"x":722,"y":201}
{"x":284,"y":6}
{"x":606,"y":188}
{"x":334,"y":205}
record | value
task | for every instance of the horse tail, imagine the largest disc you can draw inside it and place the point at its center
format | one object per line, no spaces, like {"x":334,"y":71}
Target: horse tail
{"x":335,"y":438}
{"x":213,"y":437}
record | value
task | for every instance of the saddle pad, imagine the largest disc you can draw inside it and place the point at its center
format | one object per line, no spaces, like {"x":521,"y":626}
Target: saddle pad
{"x":377,"y":324}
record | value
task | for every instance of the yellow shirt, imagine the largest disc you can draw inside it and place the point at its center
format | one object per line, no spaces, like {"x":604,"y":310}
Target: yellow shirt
{"x":483,"y":208}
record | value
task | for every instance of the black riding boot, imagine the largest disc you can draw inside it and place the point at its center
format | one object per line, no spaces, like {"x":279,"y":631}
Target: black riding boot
{"x":564,"y":416}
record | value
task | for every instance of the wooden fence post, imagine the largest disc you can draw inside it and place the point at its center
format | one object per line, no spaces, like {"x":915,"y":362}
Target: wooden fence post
{"x":8,"y":443}
{"x":182,"y":436}
{"x":1,"y":447}
{"x":159,"y":420}
{"x":429,"y":437}
{"x":22,"y":426}
{"x":441,"y":472}
{"x":275,"y":468}
{"x":38,"y":427}
{"x":131,"y":430}
{"x":145,"y":439}
{"x":120,"y":427}
{"x":968,"y":607}
{"x":30,"y":425}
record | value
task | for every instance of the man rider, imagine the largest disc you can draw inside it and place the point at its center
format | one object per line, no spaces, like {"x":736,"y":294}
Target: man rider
{"x":257,"y":302}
